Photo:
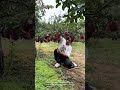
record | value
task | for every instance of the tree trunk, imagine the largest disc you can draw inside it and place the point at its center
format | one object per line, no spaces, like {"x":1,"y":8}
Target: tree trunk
{"x":1,"y":57}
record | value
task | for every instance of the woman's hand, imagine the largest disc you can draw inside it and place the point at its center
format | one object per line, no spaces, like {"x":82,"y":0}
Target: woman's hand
{"x":58,"y":51}
{"x":62,"y":53}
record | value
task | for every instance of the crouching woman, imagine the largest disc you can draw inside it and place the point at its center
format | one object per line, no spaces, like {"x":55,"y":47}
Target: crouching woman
{"x":62,"y":55}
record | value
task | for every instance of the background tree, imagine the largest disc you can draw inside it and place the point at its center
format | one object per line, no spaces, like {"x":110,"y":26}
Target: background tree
{"x":75,"y":9}
{"x":13,"y":16}
{"x":97,"y":10}
{"x":17,"y":19}
{"x":56,"y":24}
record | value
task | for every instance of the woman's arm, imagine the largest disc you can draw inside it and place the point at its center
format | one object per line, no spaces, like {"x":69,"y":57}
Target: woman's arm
{"x":62,"y":53}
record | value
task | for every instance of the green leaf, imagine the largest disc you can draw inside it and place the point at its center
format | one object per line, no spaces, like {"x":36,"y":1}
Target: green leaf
{"x":81,"y":17}
{"x":71,"y":21}
{"x":76,"y":20}
{"x":63,"y":6}
{"x":58,"y":5}
{"x":57,"y":1}
{"x":66,"y":16}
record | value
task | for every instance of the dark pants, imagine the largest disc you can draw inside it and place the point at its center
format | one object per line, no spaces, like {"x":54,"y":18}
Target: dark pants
{"x":61,"y":59}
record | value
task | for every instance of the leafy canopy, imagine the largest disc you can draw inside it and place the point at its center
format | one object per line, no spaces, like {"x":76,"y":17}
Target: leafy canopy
{"x":75,"y":9}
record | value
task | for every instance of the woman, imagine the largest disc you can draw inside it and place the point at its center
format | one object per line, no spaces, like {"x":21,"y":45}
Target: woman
{"x":62,"y":54}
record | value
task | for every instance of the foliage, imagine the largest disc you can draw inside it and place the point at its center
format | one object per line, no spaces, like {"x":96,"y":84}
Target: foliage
{"x":18,"y":18}
{"x":75,"y":8}
{"x":13,"y":13}
{"x":56,"y":24}
{"x":40,"y":9}
{"x":97,"y":10}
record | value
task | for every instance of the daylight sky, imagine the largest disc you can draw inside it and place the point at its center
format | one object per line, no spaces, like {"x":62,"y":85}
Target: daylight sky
{"x":53,"y":11}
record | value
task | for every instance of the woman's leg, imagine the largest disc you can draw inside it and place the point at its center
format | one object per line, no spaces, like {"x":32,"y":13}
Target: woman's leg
{"x":57,"y":56}
{"x":68,"y":63}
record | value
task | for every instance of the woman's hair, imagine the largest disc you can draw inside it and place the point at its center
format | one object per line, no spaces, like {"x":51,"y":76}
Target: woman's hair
{"x":68,"y":39}
{"x":62,"y":34}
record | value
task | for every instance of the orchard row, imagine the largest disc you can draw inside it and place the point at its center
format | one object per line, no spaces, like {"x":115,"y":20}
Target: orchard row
{"x":15,"y":35}
{"x":56,"y":37}
{"x":27,"y":31}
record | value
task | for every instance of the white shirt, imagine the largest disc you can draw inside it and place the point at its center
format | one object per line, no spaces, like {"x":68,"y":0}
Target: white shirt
{"x":68,"y":50}
{"x":62,"y":43}
{"x":65,"y":48}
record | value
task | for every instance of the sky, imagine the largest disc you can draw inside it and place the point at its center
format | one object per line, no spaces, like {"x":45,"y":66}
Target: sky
{"x":53,"y":11}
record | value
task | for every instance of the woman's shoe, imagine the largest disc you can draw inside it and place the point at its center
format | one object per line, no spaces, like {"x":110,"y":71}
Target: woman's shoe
{"x":57,"y":65}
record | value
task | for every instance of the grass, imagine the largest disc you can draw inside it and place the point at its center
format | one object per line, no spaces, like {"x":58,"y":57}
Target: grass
{"x":105,"y":52}
{"x":79,"y":47}
{"x":44,"y":75}
{"x":19,"y":65}
{"x":23,"y":72}
{"x":19,"y":73}
{"x":45,"y":72}
{"x":11,"y":86}
{"x":102,"y":67}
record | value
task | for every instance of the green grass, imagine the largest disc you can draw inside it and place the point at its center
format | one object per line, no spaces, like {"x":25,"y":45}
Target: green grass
{"x":104,"y":51}
{"x":79,"y":47}
{"x":45,"y":72}
{"x":19,"y":70}
{"x":11,"y":86}
{"x":19,"y":65}
{"x":103,"y":55}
